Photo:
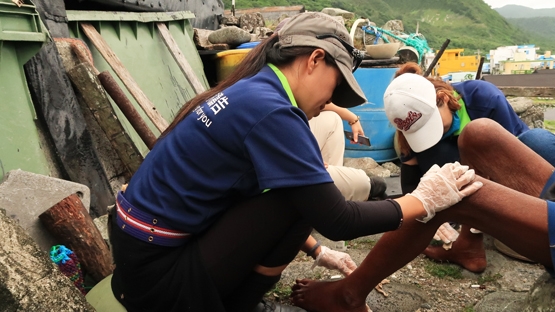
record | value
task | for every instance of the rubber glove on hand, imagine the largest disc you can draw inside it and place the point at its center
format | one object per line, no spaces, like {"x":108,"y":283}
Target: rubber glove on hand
{"x":335,"y":260}
{"x":446,"y":233}
{"x":441,"y":188}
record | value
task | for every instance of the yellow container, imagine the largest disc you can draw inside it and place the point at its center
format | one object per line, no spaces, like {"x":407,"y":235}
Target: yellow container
{"x":226,"y":61}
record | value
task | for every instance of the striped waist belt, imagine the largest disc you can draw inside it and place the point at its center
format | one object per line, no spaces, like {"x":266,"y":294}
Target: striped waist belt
{"x":145,"y":226}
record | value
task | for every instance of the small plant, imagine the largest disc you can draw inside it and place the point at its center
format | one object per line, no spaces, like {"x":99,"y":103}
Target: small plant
{"x":363,"y":243}
{"x":489,"y":278}
{"x":318,"y":275}
{"x":443,"y":270}
{"x":280,"y":292}
{"x":468,"y":309}
{"x":549,"y":125}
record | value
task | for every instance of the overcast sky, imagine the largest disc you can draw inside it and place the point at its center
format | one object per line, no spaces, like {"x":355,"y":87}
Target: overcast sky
{"x":534,"y":4}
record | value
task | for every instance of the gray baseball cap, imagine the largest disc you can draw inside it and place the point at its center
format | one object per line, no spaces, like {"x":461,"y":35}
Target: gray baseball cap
{"x":314,"y":29}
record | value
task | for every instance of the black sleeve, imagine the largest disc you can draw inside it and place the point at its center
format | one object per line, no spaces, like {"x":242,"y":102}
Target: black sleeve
{"x":327,"y":211}
{"x":410,"y":177}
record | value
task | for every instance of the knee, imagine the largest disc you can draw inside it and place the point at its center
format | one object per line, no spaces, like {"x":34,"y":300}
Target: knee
{"x":479,"y":133}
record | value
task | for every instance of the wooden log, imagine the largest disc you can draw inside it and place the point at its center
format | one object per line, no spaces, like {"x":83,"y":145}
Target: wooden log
{"x":94,"y":96}
{"x":69,"y":222}
{"x":123,"y":74}
{"x":180,"y":58}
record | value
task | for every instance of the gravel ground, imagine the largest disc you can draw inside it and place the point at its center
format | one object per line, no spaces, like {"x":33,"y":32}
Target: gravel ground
{"x":419,"y":285}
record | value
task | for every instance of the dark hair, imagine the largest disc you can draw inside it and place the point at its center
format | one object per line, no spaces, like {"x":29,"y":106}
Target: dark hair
{"x":267,"y":51}
{"x":444,"y":95}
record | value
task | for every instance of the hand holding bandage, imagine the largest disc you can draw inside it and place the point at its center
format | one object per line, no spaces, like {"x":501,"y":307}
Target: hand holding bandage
{"x":441,"y":188}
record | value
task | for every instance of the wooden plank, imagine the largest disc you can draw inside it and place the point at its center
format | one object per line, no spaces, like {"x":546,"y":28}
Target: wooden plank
{"x":528,"y":91}
{"x":180,"y":58}
{"x":120,"y":70}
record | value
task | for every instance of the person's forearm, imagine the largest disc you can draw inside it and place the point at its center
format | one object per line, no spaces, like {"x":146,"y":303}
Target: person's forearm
{"x":326,"y":210}
{"x":343,"y":113}
{"x":411,"y":206}
{"x":311,"y":247}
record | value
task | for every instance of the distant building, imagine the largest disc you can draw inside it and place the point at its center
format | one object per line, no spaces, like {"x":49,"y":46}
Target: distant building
{"x":522,"y":59}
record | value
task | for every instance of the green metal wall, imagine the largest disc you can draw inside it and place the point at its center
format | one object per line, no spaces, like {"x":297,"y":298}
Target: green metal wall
{"x":21,"y":36}
{"x":135,"y":40}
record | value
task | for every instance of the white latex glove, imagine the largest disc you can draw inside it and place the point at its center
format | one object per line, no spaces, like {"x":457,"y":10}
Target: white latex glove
{"x":446,"y":233}
{"x":441,"y":188}
{"x":335,"y":260}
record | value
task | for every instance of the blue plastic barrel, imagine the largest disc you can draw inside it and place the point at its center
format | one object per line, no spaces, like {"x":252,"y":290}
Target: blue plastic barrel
{"x":375,"y":124}
{"x":248,"y":45}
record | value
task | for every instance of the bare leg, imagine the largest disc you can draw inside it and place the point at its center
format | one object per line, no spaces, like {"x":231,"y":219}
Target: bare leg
{"x":478,"y":151}
{"x":497,"y":155}
{"x":495,"y":209}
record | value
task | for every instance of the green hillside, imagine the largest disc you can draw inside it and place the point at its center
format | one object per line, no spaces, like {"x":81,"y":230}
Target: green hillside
{"x":519,"y":11}
{"x":470,"y":24}
{"x":541,"y":26}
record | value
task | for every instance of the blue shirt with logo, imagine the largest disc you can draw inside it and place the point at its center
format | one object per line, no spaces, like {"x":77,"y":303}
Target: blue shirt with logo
{"x":244,"y":140}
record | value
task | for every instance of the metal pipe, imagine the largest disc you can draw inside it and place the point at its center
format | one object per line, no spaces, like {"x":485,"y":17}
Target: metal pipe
{"x":127,"y":108}
{"x":479,"y":71}
{"x":436,"y":58}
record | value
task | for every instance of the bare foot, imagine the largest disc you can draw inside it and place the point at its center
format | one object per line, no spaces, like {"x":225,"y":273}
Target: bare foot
{"x":321,"y":296}
{"x":468,"y":254}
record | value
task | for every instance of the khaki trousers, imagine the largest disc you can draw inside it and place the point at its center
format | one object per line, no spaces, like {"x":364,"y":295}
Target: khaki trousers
{"x":353,"y":183}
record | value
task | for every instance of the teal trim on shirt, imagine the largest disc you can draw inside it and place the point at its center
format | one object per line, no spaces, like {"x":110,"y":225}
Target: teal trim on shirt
{"x":463,"y":114}
{"x":284,"y":83}
{"x":287,"y":88}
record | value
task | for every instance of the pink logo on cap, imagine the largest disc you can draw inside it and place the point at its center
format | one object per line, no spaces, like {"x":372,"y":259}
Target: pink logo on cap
{"x":405,"y":124}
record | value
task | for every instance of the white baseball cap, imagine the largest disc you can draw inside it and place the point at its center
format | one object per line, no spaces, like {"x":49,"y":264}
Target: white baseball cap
{"x":410,"y":105}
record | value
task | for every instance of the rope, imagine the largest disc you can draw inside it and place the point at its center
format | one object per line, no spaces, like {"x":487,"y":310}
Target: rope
{"x":417,"y":41}
{"x":69,"y":264}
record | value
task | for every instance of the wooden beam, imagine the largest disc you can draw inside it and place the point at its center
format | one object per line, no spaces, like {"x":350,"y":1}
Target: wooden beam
{"x":180,"y":58}
{"x":120,"y":70}
{"x":528,"y":91}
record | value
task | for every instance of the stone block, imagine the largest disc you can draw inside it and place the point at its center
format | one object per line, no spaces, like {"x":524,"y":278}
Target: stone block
{"x":30,"y":281}
{"x":25,"y":195}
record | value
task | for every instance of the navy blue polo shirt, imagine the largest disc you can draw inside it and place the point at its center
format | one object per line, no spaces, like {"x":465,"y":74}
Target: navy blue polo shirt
{"x":484,"y":100}
{"x":248,"y":138}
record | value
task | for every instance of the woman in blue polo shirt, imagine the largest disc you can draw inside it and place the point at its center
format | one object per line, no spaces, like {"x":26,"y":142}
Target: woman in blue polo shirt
{"x":232,"y":189}
{"x":444,"y":110}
